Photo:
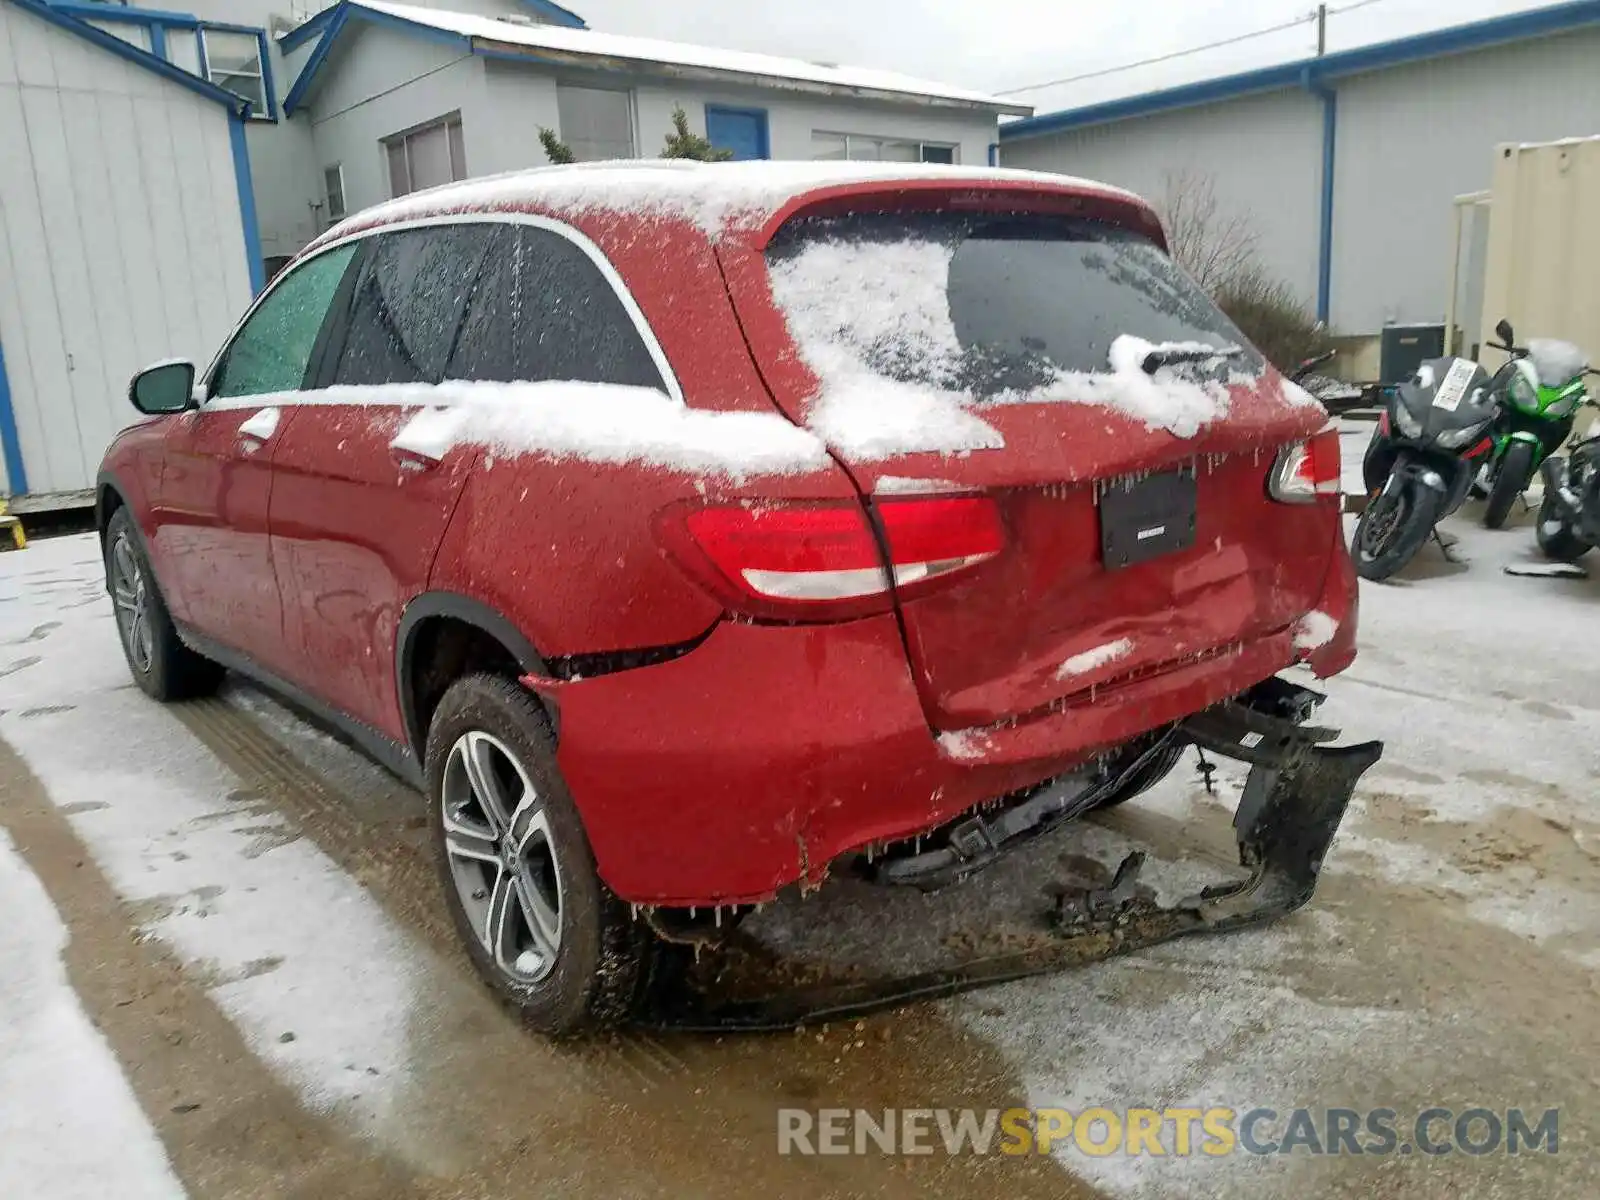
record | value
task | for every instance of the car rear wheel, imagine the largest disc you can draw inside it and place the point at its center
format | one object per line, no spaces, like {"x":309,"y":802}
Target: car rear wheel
{"x":519,"y":875}
{"x":160,"y":663}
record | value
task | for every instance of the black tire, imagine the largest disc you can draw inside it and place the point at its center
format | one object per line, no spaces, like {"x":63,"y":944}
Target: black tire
{"x":1556,"y":539}
{"x":1379,"y":551}
{"x":1146,"y":777}
{"x":1516,"y":472}
{"x":163,"y":667}
{"x":601,"y":963}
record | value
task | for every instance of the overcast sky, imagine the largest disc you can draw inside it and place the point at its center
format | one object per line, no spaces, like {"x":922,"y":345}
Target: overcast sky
{"x":999,"y":45}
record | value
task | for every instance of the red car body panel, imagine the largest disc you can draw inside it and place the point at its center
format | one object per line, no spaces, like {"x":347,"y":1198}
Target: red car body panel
{"x":761,"y":750}
{"x":355,"y":528}
{"x":206,"y":526}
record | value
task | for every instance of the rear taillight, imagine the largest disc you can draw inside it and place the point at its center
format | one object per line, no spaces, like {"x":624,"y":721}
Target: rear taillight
{"x":821,"y":560}
{"x":1306,"y":470}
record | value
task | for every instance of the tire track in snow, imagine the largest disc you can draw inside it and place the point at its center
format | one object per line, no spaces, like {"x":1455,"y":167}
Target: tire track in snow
{"x":228,"y":1125}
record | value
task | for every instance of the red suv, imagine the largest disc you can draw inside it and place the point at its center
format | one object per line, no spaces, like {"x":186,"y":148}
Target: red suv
{"x":683,"y":528}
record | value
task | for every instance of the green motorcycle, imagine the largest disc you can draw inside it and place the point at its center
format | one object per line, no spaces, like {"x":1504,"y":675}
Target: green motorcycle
{"x":1540,"y":390}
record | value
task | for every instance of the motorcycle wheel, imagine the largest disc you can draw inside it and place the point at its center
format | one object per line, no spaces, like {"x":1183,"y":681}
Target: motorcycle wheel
{"x":1393,"y":529}
{"x":1516,"y":469}
{"x":1556,"y":540}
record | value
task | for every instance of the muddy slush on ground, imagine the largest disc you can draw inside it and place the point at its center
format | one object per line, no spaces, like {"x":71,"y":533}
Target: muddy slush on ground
{"x":256,"y":928}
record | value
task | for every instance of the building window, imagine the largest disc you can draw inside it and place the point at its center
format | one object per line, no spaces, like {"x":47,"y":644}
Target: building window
{"x":333,"y":188}
{"x":235,"y":59}
{"x":596,"y":123}
{"x":861,"y":148}
{"x":426,"y":156}
{"x":134,"y":35}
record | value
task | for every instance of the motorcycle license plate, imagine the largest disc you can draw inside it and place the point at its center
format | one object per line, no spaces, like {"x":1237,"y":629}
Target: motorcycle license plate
{"x":1141,"y":519}
{"x":1454,"y":385}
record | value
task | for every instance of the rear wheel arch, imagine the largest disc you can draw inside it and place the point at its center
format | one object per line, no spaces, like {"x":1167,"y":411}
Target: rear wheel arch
{"x":443,"y":636}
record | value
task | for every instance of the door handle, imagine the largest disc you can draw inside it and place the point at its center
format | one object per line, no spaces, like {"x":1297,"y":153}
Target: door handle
{"x":260,"y":427}
{"x":423,"y":441}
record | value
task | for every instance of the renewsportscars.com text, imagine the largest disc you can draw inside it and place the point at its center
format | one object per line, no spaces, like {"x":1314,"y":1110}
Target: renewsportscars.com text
{"x":1180,"y":1132}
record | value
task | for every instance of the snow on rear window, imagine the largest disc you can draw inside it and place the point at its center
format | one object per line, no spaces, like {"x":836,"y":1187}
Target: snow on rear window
{"x":929,"y":317}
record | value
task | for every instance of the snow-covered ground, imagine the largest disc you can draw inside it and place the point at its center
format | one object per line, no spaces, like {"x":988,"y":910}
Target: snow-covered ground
{"x":1450,"y":956}
{"x":69,"y":1124}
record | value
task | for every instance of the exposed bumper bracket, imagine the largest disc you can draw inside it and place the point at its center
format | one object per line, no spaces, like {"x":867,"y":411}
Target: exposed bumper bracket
{"x":1293,"y":801}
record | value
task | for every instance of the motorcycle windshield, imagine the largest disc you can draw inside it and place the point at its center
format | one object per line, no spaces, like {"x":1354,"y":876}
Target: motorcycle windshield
{"x":1556,"y":362}
{"x":1447,"y":394}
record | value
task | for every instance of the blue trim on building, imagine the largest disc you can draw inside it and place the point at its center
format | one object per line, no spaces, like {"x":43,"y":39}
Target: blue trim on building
{"x":343,"y":12}
{"x":1479,"y":35}
{"x":158,"y":42}
{"x":267,"y":88}
{"x":247,"y":203}
{"x":319,"y":54}
{"x":131,"y":53}
{"x":10,"y":444}
{"x":307,"y":30}
{"x":118,"y":12}
{"x":1330,"y":146}
{"x":557,"y":15}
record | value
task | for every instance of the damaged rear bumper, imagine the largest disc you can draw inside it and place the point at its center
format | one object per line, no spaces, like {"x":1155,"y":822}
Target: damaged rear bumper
{"x":1296,"y":795}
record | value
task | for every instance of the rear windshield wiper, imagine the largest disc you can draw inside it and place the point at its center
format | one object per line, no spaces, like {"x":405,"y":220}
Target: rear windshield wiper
{"x":1157,"y":359}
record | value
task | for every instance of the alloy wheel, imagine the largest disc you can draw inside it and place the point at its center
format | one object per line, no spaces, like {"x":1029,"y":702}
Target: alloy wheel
{"x":502,"y":856}
{"x":131,"y":597}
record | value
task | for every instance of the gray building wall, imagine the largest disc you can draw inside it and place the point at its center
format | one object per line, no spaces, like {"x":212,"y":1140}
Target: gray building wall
{"x":385,"y":81}
{"x":1410,"y":139}
{"x":358,"y":104}
{"x":1263,"y":155}
{"x":1413,"y":138}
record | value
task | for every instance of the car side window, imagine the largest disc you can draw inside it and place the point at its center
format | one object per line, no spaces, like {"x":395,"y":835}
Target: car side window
{"x":272,"y":351}
{"x":405,"y":309}
{"x":543,"y":310}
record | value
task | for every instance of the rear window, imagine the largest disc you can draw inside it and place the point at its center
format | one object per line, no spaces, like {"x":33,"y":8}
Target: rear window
{"x":997,"y":307}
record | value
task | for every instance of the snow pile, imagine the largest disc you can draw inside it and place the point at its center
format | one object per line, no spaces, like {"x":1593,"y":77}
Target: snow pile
{"x":862,"y":313}
{"x":1093,"y":660}
{"x":594,"y":422}
{"x":70,"y":1126}
{"x":868,"y":316}
{"x":1314,"y":631}
{"x":610,"y":46}
{"x":965,"y":745}
{"x":712,"y":196}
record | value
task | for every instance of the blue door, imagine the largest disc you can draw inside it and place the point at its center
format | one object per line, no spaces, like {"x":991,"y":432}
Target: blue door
{"x":742,"y":130}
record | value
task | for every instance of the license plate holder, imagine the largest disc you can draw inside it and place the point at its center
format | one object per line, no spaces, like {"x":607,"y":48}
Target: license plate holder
{"x":1145,"y":518}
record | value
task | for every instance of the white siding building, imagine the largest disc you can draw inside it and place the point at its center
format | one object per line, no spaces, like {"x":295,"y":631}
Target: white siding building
{"x":1349,"y":164}
{"x":400,"y":97}
{"x":127,"y":234}
{"x":235,"y":44}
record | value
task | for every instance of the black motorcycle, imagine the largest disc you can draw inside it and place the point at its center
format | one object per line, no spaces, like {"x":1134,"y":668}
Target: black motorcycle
{"x":1569,"y":518}
{"x":1429,"y":444}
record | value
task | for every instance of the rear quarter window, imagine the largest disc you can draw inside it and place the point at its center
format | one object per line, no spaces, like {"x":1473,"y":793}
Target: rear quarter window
{"x":544,"y":311}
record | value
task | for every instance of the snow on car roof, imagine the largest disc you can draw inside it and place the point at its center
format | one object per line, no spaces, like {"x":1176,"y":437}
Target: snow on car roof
{"x":712,"y":195}
{"x":685,"y":54}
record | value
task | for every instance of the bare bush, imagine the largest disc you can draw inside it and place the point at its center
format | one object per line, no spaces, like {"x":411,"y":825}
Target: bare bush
{"x":1221,"y":249}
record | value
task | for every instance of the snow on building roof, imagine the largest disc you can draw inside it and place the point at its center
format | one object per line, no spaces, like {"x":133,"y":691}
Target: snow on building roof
{"x":713,"y":195}
{"x":647,"y":54}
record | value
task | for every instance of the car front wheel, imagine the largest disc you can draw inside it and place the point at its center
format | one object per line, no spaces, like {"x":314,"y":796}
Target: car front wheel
{"x":518,"y":873}
{"x":160,"y":663}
